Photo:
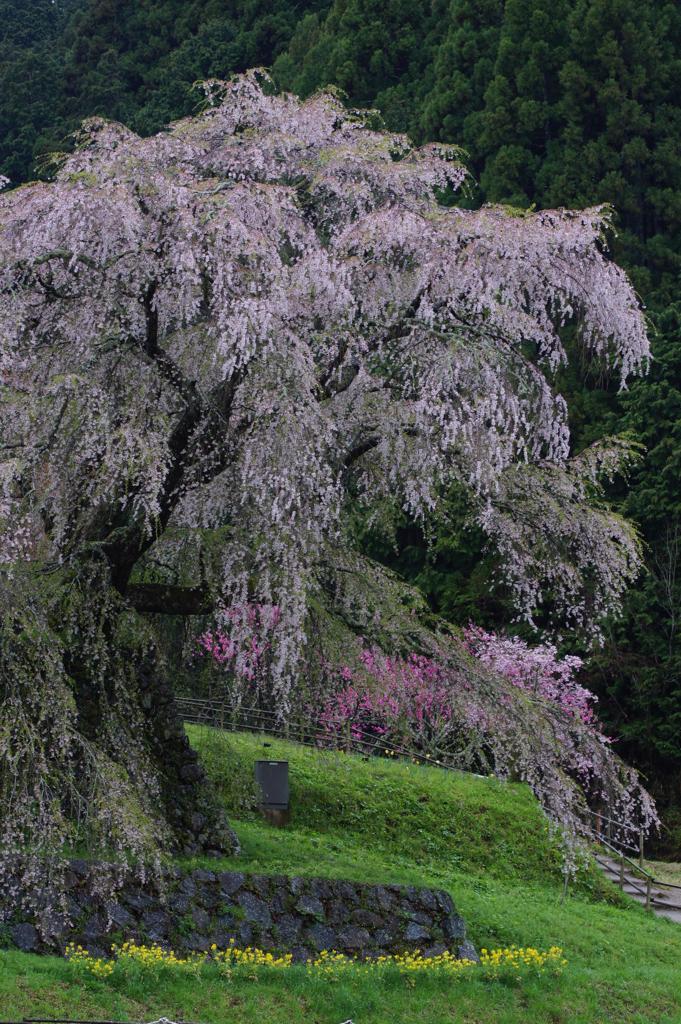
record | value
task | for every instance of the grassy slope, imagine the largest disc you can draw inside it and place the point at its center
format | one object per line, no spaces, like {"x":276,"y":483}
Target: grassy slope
{"x":380,"y":821}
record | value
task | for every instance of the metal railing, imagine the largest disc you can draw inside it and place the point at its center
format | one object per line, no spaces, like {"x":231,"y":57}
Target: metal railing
{"x":62,"y":1020}
{"x":237,"y":718}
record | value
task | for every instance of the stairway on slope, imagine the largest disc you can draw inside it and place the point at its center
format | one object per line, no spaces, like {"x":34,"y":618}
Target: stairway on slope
{"x":665,"y":901}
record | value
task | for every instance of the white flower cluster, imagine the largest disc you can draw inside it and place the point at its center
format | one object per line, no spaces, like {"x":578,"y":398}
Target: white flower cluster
{"x":244,"y":320}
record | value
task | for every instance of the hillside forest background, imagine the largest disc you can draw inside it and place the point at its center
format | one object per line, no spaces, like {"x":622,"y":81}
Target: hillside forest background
{"x":557,"y":103}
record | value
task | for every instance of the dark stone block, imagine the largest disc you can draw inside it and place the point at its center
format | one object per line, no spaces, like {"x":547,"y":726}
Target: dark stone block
{"x":421,"y":917}
{"x":24,"y":937}
{"x":201,"y":919}
{"x":387,"y":936}
{"x":321,"y":888}
{"x":277,"y":903}
{"x":188,"y":886}
{"x":255,"y":909}
{"x":428,"y":900}
{"x":445,"y":902}
{"x":436,"y":950}
{"x":75,"y":902}
{"x":320,"y":937}
{"x":230,"y":882}
{"x":95,"y":928}
{"x":366,"y":918}
{"x":354,"y":938}
{"x":118,"y":916}
{"x":55,"y":927}
{"x":384,"y":899}
{"x":296,"y":886}
{"x":245,"y":934}
{"x":467,"y":951}
{"x":310,"y":906}
{"x":348,"y":892}
{"x":226,"y":921}
{"x":179,"y":904}
{"x":70,"y":880}
{"x":337,"y":912}
{"x":156,"y":924}
{"x":98,"y":951}
{"x":454,"y":927}
{"x":136,"y":901}
{"x":260,"y":884}
{"x":197,"y":943}
{"x":288,"y":930}
{"x":201,"y":875}
{"x":416,"y":933}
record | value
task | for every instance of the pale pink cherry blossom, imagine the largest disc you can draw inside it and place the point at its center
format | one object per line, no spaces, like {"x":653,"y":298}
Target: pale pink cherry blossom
{"x":250,"y":320}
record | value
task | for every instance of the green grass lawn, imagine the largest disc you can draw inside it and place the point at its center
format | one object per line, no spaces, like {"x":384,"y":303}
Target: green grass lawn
{"x":381,"y":821}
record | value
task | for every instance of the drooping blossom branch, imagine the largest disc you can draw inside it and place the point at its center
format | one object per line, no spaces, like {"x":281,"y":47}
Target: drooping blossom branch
{"x":237,"y":321}
{"x":241,"y":642}
{"x":537,"y":670}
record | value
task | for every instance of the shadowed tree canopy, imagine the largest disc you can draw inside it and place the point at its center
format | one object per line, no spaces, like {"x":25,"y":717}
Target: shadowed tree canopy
{"x":235,"y":327}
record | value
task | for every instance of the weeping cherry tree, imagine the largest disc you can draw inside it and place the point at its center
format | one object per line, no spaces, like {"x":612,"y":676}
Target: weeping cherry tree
{"x":239,"y":329}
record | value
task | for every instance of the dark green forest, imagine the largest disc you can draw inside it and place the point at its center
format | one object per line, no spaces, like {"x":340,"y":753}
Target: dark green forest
{"x":561,"y":103}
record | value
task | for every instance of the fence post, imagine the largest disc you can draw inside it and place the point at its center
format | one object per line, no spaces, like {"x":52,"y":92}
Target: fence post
{"x":640,"y":849}
{"x":648,"y":887}
{"x":622,"y":872}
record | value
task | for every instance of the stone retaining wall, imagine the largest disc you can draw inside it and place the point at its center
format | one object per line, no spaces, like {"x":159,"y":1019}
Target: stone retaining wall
{"x":191,"y":910}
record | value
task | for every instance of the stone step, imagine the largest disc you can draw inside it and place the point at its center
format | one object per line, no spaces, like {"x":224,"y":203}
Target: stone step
{"x":664,"y":902}
{"x":671,"y":915}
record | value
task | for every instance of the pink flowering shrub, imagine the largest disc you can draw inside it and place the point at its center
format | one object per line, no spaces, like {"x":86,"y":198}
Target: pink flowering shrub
{"x":412,"y":700}
{"x":402,"y":701}
{"x":241,"y":641}
{"x":536,"y":670}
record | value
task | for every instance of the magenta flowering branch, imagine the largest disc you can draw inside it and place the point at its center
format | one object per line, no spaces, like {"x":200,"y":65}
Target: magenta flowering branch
{"x":241,"y":642}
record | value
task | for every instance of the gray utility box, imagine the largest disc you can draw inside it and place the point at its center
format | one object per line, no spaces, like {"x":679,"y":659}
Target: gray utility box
{"x":272,"y":777}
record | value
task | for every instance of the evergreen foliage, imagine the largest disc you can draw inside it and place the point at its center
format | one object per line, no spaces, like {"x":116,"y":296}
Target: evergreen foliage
{"x":131,"y":60}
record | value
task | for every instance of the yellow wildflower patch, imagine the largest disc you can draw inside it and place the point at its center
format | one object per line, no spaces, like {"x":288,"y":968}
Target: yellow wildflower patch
{"x":512,"y":960}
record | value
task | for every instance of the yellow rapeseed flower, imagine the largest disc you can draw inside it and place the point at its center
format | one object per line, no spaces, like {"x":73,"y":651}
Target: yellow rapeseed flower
{"x":328,"y":963}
